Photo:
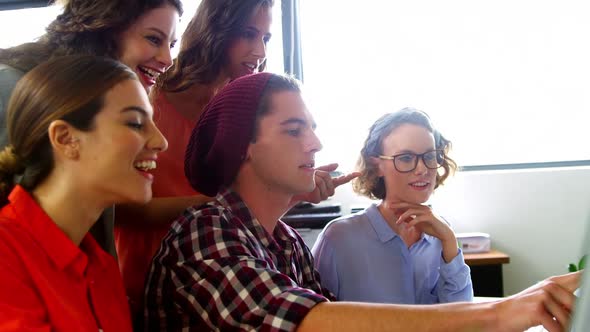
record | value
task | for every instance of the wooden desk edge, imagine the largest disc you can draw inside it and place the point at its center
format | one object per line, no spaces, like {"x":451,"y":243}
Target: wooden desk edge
{"x":487,"y":258}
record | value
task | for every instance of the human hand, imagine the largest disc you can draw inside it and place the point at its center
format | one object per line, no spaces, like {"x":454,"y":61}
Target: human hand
{"x":325,"y":184}
{"x":423,"y":219}
{"x":548,"y":303}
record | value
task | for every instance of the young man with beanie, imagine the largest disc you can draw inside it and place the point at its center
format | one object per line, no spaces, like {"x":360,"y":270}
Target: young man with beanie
{"x":233,"y":265}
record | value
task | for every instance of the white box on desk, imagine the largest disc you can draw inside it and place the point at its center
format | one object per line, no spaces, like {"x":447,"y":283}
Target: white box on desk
{"x":474,"y":242}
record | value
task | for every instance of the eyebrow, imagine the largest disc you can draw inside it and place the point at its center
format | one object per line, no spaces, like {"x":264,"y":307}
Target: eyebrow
{"x":135,"y":109}
{"x":268,"y":34}
{"x":412,"y":152}
{"x":297,"y":121}
{"x":250,"y":27}
{"x":157,"y":30}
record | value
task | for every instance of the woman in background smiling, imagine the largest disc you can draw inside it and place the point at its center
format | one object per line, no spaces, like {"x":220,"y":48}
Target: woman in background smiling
{"x":139,"y":33}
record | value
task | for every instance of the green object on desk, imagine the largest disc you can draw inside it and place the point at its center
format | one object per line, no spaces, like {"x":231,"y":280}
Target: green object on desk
{"x":572,"y":267}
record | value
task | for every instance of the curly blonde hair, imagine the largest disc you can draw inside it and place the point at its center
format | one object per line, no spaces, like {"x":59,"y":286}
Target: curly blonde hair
{"x":369,"y":183}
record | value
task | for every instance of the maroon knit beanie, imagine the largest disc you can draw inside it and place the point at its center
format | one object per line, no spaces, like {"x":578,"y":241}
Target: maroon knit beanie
{"x":218,"y":144}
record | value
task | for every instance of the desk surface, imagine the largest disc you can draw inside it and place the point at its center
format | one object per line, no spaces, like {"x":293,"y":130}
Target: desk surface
{"x":487,"y":258}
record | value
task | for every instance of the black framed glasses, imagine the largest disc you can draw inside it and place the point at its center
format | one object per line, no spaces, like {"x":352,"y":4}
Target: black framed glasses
{"x":407,"y":162}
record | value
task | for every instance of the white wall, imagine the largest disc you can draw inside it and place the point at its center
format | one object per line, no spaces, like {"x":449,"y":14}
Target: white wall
{"x":536,"y":216}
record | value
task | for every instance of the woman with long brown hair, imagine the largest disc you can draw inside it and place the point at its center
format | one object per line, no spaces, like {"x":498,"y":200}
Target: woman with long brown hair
{"x":81,"y":138}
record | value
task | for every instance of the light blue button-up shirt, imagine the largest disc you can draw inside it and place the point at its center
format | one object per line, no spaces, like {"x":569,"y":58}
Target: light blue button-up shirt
{"x":361,"y":258}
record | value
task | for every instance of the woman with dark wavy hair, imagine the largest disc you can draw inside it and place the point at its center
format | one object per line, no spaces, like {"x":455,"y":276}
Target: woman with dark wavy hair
{"x":106,"y":28}
{"x":138,"y":33}
{"x":225,"y":39}
{"x":413,"y":254}
{"x":82,"y":138}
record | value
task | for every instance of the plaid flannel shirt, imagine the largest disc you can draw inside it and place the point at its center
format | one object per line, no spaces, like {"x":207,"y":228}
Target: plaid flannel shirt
{"x":219,"y":269}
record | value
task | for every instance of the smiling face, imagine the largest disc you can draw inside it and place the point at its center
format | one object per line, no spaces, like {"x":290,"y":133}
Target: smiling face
{"x":415,"y":186}
{"x":282,"y":157}
{"x":117,"y":154}
{"x":248,"y":51}
{"x":145,"y":45}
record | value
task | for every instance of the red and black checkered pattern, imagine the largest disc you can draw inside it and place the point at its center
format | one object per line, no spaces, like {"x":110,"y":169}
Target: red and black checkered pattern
{"x":219,"y":269}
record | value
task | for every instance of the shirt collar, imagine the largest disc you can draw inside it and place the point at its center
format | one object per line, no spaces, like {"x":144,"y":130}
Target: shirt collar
{"x":58,"y":247}
{"x":382,"y":229}
{"x":230,"y":200}
{"x":285,"y":232}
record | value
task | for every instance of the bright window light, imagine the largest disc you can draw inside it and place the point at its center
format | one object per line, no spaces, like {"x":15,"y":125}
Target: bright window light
{"x":25,"y":25}
{"x":506,"y":81}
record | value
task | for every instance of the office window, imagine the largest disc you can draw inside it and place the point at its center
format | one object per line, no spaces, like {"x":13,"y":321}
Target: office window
{"x":24,"y":25}
{"x":506,"y":81}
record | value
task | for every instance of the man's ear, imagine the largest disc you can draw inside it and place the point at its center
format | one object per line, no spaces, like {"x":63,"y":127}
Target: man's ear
{"x":63,"y":140}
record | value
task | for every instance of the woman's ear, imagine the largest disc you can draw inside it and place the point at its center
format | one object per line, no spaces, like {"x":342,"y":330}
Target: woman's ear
{"x":248,"y":153}
{"x":376,"y":162}
{"x":63,"y":140}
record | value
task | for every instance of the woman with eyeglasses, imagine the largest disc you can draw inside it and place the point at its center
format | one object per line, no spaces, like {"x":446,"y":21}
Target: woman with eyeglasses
{"x":399,"y":250}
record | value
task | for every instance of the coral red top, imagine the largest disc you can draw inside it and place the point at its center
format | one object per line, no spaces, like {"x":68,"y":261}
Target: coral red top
{"x":137,"y":242}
